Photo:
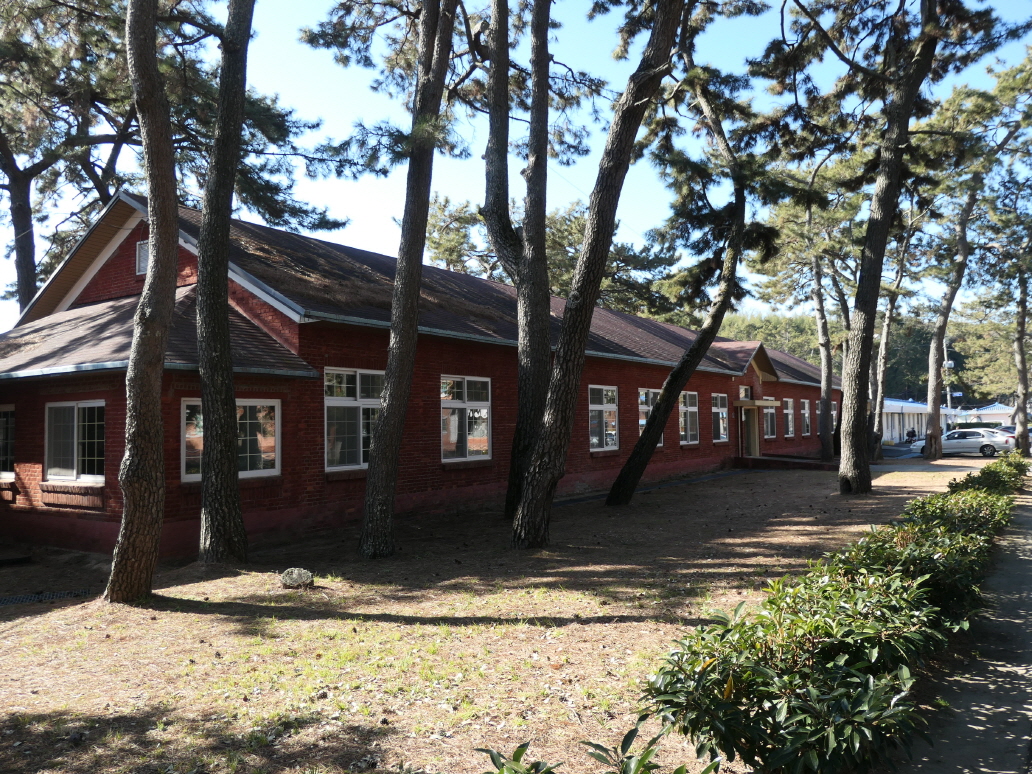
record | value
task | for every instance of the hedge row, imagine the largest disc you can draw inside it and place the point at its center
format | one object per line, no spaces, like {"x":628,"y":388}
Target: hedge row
{"x":819,"y":678}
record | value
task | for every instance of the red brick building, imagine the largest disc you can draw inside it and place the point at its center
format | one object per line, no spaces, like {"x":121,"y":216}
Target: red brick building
{"x":310,"y":326}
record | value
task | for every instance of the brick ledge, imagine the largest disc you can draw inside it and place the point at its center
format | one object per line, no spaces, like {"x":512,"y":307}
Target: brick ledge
{"x":60,"y":487}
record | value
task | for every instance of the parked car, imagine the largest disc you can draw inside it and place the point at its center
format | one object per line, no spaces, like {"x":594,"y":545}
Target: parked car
{"x":984,"y":442}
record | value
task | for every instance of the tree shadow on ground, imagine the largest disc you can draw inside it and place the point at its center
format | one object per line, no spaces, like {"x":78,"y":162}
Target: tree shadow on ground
{"x":153,"y":740}
{"x":671,"y":546}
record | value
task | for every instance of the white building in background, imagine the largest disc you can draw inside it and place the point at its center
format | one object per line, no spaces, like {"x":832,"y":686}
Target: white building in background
{"x":997,"y":412}
{"x":900,"y":416}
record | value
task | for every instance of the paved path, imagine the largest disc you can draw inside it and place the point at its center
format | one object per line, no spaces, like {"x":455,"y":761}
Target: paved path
{"x":987,"y":728}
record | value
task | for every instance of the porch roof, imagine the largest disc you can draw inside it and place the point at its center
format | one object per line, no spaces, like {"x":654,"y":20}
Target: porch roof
{"x":98,"y":338}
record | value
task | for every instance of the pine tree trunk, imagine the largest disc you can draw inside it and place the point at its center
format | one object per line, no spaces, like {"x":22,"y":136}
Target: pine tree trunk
{"x":1021,"y":441}
{"x":19,"y":189}
{"x":825,"y":431}
{"x":142,"y":472}
{"x":436,"y":24}
{"x":223,"y":535}
{"x":933,"y":422}
{"x":530,"y":525}
{"x":854,"y":465}
{"x":524,"y":259}
{"x":878,"y":391}
{"x":633,"y":469}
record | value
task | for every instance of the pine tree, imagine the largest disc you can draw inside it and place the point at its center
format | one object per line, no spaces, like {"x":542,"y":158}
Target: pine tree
{"x":223,"y":536}
{"x":890,"y":51}
{"x":142,"y":472}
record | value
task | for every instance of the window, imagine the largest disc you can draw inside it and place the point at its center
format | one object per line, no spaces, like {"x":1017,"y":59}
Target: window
{"x":6,"y":441}
{"x":75,"y":441}
{"x":744,"y":392}
{"x":646,"y":400}
{"x":689,"y":424}
{"x":770,"y":422}
{"x":602,"y":418}
{"x":258,"y":438}
{"x":789,"y":408}
{"x":465,"y":418}
{"x":804,"y":413}
{"x":142,"y":257}
{"x":352,"y":406}
{"x":720,"y":425}
{"x":834,"y":415}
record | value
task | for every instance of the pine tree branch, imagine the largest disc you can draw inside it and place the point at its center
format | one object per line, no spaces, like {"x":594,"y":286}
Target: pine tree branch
{"x":849,"y":62}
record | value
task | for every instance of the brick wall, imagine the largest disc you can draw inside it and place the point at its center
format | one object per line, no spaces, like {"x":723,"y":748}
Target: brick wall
{"x":304,"y":496}
{"x":117,"y":278}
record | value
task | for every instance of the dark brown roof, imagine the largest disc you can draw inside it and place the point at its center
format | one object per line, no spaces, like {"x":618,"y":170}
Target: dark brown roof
{"x":798,"y":370}
{"x":319,"y":280}
{"x":325,"y":280}
{"x":98,"y":337}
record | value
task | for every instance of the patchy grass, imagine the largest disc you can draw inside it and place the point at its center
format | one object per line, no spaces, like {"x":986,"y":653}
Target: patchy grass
{"x":409,"y":663}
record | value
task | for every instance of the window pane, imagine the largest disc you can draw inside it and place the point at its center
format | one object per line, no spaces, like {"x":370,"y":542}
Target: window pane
{"x":256,"y":438}
{"x":643,"y":397}
{"x":595,"y":428}
{"x":91,"y":441}
{"x":478,"y":442}
{"x":453,"y":432}
{"x":369,"y":416}
{"x":595,"y":396}
{"x":609,"y":418}
{"x":142,"y":257}
{"x":451,"y":389}
{"x":6,"y":441}
{"x":339,"y":385}
{"x":370,"y":386}
{"x":609,"y":397}
{"x":693,"y":426}
{"x":643,"y":417}
{"x":193,"y":438}
{"x":342,"y":441}
{"x":61,"y":441}
{"x":477,"y":390}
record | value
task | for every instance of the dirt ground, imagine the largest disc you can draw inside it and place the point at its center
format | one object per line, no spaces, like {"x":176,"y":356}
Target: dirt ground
{"x":409,"y":664}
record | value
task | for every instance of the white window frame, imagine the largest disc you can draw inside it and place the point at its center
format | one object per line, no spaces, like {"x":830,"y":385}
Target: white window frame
{"x":788,"y":409}
{"x":834,"y":415}
{"x":683,"y":412}
{"x":145,"y":244}
{"x":718,"y":410}
{"x":266,"y":472}
{"x":470,"y":404}
{"x":47,"y":476}
{"x":804,"y":415}
{"x":652,"y":397}
{"x":771,"y":413}
{"x":615,"y":407}
{"x":356,"y":401}
{"x":8,"y":475}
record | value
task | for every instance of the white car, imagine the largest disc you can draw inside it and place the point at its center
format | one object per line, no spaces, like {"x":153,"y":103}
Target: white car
{"x":984,"y":442}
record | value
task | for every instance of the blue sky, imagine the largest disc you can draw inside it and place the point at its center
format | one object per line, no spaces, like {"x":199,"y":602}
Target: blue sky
{"x":309,"y":81}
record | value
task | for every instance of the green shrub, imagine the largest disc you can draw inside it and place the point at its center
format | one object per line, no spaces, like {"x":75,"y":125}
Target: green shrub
{"x":818,"y":679}
{"x":1003,"y":476}
{"x":815,"y":681}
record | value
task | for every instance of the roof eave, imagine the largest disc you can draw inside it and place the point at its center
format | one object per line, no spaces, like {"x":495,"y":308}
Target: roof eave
{"x":122,"y":365}
{"x":119,"y":197}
